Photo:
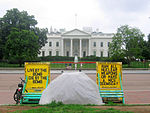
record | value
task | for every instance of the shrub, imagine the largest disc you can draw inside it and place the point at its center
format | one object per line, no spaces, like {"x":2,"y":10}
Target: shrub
{"x":56,"y":58}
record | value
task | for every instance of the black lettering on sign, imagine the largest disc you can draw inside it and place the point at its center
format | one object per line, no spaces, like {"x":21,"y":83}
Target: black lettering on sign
{"x":103,"y":80}
{"x":37,"y":81}
{"x":106,"y":68}
{"x":103,"y":76}
{"x":109,"y":80}
{"x":31,"y":78}
{"x":36,"y":70}
{"x":102,"y":68}
{"x":38,"y":74}
{"x":36,"y":77}
{"x":101,"y":83}
{"x":45,"y":78}
{"x":30,"y":70}
{"x":102,"y":72}
{"x":108,"y":72}
{"x":43,"y":70}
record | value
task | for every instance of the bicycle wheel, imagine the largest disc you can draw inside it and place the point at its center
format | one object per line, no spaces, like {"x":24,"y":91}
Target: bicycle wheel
{"x":18,"y":97}
{"x":15,"y":96}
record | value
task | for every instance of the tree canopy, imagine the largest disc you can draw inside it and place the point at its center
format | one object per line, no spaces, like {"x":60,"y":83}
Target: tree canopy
{"x":21,"y":21}
{"x":42,"y":34}
{"x":146,"y":49}
{"x":21,"y":45}
{"x":127,"y":43}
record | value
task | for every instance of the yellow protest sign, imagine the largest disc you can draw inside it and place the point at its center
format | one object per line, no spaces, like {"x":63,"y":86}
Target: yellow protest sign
{"x":37,"y":76}
{"x":109,"y":75}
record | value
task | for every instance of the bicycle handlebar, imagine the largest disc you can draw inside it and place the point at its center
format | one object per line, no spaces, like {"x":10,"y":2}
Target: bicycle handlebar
{"x":22,"y":80}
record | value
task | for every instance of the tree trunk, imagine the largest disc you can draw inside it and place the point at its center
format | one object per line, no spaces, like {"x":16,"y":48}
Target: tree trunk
{"x":20,"y":63}
{"x":129,"y":62}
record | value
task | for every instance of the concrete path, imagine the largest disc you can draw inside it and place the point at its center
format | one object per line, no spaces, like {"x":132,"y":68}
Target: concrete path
{"x":136,"y":87}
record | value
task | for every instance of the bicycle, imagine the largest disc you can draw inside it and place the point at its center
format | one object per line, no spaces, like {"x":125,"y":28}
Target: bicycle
{"x":18,"y":93}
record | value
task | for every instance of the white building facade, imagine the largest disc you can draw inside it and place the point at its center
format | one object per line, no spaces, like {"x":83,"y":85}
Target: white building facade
{"x":77,"y":42}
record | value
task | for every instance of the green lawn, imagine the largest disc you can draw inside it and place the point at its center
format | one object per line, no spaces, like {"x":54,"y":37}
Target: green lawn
{"x":85,"y":66}
{"x":137,"y":65}
{"x":63,"y":66}
{"x":93,"y":65}
{"x":3,"y":64}
{"x":70,"y":108}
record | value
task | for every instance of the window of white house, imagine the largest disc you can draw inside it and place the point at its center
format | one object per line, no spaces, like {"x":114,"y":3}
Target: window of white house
{"x":94,"y":44}
{"x":67,"y":53}
{"x":50,"y":53}
{"x":57,"y":44}
{"x":50,"y":44}
{"x":108,"y":44}
{"x":84,"y":53}
{"x":101,"y":53}
{"x":101,"y":44}
{"x":43,"y":53}
{"x":108,"y":53}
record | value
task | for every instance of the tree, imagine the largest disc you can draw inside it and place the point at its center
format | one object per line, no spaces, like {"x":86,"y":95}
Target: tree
{"x":115,"y":49}
{"x":21,"y":46}
{"x":42,"y":34}
{"x":146,"y":49}
{"x":127,"y":43}
{"x":22,"y":21}
{"x":14,"y":19}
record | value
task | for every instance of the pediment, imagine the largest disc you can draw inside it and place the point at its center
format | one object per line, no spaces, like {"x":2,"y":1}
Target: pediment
{"x":76,"y":32}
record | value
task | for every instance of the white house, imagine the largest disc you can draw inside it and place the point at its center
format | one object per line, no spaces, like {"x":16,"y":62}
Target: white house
{"x":77,"y":42}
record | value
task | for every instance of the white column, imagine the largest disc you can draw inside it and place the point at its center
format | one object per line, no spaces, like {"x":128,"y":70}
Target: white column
{"x":89,"y":47}
{"x":62,"y":47}
{"x":71,"y":48}
{"x":80,"y":48}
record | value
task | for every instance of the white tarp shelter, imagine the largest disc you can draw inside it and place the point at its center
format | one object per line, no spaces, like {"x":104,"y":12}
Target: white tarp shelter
{"x":72,"y":88}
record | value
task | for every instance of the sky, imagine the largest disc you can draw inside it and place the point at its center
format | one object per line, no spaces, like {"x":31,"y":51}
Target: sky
{"x":103,"y":15}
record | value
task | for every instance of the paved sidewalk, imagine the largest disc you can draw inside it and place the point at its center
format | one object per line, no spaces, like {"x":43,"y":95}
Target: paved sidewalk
{"x":136,"y":87}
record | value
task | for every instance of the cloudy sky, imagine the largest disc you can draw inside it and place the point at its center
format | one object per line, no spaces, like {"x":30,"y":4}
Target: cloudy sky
{"x":106,"y":15}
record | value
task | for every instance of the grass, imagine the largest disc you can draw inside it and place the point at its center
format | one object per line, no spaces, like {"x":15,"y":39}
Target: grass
{"x":4,"y":64}
{"x":85,"y":66}
{"x":63,"y":66}
{"x":69,"y":108}
{"x":137,"y":65}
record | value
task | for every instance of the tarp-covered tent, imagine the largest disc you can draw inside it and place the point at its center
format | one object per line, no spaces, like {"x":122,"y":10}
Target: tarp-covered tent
{"x":72,"y":88}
